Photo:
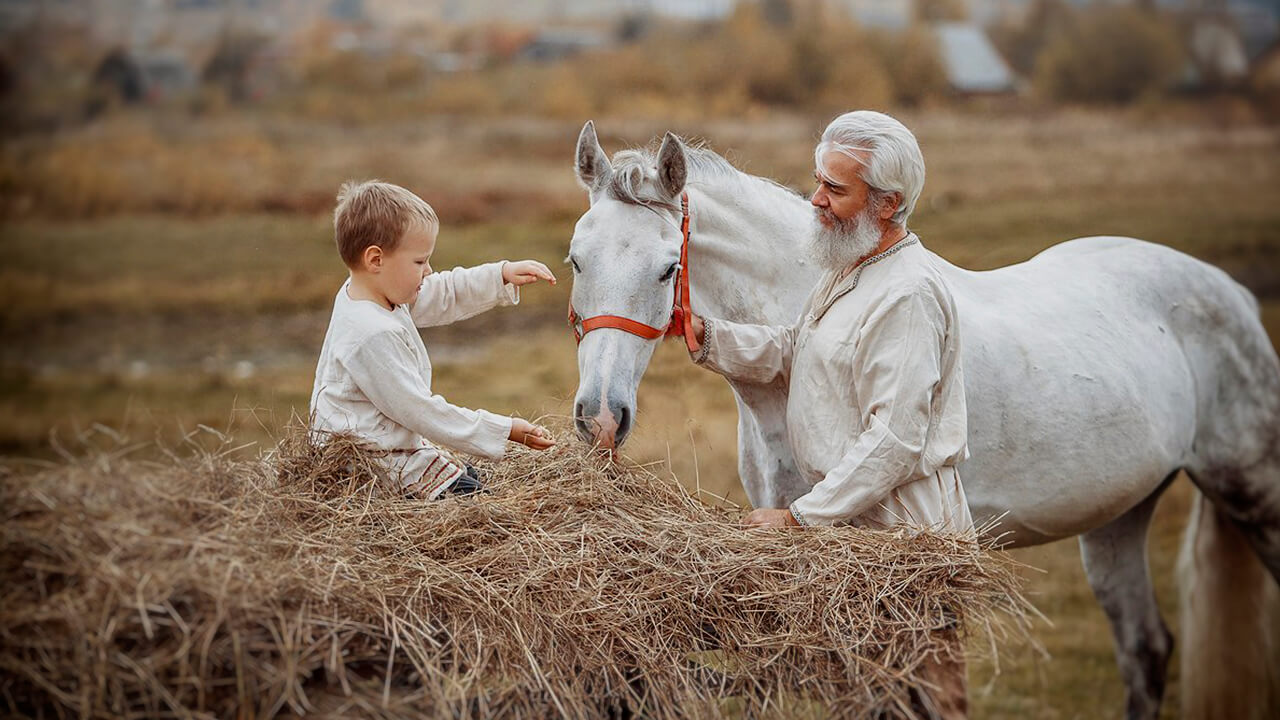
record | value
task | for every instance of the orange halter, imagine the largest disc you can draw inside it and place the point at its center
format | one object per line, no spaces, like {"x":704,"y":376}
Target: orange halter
{"x":681,"y":324}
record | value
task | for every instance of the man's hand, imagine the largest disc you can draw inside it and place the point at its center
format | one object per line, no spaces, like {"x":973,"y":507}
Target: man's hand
{"x":699,"y":328}
{"x":526,"y":433}
{"x":523,"y":272}
{"x":770,"y":518}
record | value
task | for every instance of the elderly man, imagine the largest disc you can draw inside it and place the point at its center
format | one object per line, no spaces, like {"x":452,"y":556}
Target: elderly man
{"x":875,"y":411}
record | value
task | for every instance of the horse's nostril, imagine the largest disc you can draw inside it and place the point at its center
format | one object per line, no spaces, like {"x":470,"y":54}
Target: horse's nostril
{"x":580,"y":421}
{"x":624,"y":422}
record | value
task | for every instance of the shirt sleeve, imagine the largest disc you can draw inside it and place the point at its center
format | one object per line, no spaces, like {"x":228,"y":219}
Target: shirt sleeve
{"x":452,"y":295}
{"x":747,"y":353}
{"x":384,"y":369}
{"x":896,"y":367}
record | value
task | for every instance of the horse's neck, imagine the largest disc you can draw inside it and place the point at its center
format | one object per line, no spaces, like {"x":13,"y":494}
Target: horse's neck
{"x":747,"y":257}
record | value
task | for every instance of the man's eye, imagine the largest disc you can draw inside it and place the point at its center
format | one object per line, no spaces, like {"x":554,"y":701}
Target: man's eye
{"x":670,"y":271}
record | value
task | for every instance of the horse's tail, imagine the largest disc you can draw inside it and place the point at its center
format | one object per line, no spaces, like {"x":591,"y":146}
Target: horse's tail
{"x":1228,"y":605}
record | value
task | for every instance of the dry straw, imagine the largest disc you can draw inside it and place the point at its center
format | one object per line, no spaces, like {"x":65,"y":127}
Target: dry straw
{"x":219,"y":587}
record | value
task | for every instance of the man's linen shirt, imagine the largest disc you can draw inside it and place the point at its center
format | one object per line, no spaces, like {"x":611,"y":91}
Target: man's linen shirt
{"x":876,"y":409}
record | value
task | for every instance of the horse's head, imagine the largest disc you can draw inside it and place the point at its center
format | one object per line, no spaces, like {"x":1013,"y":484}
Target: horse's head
{"x":625,"y":254}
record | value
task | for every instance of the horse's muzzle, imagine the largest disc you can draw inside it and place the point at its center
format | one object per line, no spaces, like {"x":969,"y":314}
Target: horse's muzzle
{"x":604,"y":427}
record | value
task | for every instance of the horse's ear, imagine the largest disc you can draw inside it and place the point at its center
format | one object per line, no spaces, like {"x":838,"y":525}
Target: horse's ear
{"x":673,"y":168}
{"x":590,"y":164}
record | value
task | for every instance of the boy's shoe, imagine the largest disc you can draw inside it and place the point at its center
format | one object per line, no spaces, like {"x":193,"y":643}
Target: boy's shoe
{"x":468,"y":483}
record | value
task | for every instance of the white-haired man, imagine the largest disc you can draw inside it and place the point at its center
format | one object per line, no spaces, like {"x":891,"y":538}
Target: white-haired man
{"x":875,"y":410}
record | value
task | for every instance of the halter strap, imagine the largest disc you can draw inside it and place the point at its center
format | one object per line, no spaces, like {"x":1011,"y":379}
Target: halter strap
{"x":681,"y":324}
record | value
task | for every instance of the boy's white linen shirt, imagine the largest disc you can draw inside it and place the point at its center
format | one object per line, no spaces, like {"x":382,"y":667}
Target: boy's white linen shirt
{"x":876,"y":413}
{"x":373,"y":378}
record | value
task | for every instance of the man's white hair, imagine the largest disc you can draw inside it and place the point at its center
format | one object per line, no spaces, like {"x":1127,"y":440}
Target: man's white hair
{"x":890,"y":156}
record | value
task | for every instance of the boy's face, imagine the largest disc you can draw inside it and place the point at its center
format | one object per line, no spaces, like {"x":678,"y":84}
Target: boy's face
{"x":404,"y":268}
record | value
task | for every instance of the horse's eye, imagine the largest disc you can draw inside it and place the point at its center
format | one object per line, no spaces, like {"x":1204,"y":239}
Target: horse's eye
{"x":670,"y":271}
{"x":574,"y":263}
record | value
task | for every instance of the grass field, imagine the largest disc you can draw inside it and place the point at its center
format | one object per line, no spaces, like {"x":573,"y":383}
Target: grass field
{"x":188,"y":283}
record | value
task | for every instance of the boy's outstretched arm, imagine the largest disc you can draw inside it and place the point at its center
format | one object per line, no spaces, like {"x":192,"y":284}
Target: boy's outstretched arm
{"x":452,"y":295}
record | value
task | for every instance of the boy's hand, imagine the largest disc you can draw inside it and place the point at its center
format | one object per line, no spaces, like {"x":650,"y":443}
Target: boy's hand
{"x":526,"y":433}
{"x":523,"y":272}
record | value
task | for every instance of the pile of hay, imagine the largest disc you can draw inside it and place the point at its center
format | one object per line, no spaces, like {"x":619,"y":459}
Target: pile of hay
{"x":293,"y":584}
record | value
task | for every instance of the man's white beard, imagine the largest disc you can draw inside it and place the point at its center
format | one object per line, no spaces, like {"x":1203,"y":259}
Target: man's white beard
{"x":844,"y":242}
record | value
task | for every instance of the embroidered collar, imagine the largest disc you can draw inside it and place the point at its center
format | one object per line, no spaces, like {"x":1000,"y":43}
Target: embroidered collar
{"x":851,"y":281}
{"x":910,"y":239}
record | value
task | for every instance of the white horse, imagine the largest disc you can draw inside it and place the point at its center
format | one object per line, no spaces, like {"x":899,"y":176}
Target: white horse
{"x":1094,"y":372}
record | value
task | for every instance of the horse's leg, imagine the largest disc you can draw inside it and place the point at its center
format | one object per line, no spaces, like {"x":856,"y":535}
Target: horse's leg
{"x":1115,"y":561}
{"x":765,"y":464}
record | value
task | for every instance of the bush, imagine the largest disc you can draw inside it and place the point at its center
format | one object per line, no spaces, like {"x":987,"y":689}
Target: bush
{"x":1109,"y":54}
{"x":915,"y":66}
{"x":1021,"y":43}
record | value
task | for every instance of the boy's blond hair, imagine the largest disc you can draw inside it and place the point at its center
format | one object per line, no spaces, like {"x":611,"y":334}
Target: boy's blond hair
{"x":377,"y":213}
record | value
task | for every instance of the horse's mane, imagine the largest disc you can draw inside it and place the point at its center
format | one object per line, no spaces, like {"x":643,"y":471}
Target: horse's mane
{"x":635,"y":176}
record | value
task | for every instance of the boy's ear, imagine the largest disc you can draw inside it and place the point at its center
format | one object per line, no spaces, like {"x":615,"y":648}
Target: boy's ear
{"x":372,"y":258}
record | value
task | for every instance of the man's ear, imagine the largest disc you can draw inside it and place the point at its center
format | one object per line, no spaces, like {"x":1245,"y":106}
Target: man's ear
{"x":371,"y":258}
{"x":889,"y":204}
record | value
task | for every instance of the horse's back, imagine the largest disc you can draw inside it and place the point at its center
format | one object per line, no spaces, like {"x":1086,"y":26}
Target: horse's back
{"x":1112,"y":268}
{"x":1083,"y":370}
{"x":1095,"y":288}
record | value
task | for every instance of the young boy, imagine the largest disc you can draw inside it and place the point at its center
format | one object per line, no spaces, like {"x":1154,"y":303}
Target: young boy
{"x":374,"y":378}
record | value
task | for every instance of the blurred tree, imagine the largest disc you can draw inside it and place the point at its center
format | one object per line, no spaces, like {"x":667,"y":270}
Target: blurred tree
{"x":228,"y":67}
{"x":1022,"y":44}
{"x":913,"y":63}
{"x":633,"y":27}
{"x":941,"y":10}
{"x":857,"y":79}
{"x":778,"y":13}
{"x":763,"y":58}
{"x":116,"y":79}
{"x":1110,"y":54}
{"x":8,"y":76}
{"x":48,"y":67}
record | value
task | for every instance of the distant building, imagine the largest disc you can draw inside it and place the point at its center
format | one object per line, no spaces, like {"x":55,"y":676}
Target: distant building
{"x":971,"y":62}
{"x":885,"y":14}
{"x":1218,"y":55}
{"x":1225,"y":43}
{"x":558,"y":43}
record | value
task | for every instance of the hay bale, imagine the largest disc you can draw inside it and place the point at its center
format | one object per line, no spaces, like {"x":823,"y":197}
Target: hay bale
{"x":294,"y":584}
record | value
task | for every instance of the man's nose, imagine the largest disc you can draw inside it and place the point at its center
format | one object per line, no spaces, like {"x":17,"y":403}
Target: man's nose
{"x":819,"y":199}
